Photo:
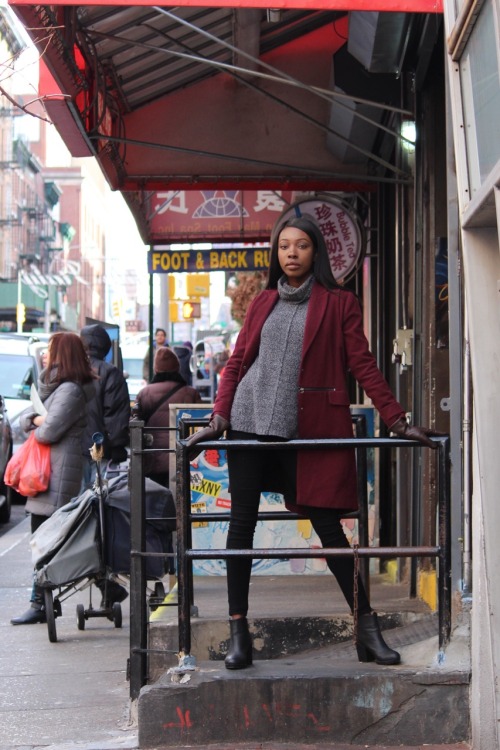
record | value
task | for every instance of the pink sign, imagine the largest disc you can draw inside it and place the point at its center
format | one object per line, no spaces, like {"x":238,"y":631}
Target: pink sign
{"x":216,"y":215}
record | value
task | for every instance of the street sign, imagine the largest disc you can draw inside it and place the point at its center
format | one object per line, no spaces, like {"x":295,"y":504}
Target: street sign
{"x":198,"y":284}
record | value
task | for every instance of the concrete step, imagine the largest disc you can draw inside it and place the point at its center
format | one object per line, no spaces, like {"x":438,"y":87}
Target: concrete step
{"x":274,"y":745}
{"x":320,"y":697}
{"x":306,"y":685}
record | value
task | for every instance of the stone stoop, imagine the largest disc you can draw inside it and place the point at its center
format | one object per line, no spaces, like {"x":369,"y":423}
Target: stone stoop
{"x":306,"y":684}
{"x":321,"y":697}
{"x":297,"y":701}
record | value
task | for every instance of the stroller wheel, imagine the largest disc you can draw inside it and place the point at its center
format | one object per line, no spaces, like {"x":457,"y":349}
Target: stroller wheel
{"x":80,"y":616}
{"x":50,"y":614}
{"x":117,"y":614}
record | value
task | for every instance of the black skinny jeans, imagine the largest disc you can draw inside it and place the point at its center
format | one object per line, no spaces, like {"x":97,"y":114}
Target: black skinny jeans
{"x":248,"y":472}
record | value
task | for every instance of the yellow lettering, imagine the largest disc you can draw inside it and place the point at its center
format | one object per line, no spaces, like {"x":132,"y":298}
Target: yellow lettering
{"x":214,"y":261}
{"x":156,"y":260}
{"x":200,"y":265}
{"x":208,"y":487}
{"x":261,"y":258}
{"x":242,"y":259}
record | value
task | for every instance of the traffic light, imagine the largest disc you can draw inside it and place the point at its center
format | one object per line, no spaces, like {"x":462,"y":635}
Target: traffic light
{"x":191,"y":310}
{"x":20,"y":312}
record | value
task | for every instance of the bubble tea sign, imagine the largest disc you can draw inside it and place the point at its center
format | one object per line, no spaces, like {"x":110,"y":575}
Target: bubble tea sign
{"x":341,"y":229}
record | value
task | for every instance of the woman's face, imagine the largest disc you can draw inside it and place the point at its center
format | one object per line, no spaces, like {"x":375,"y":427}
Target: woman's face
{"x":295,"y":255}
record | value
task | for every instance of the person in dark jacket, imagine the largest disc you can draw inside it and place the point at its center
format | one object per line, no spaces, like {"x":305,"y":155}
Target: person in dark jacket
{"x":109,"y":412}
{"x":184,"y":353}
{"x":152,"y":405}
{"x":65,"y":387}
{"x":286,"y":379}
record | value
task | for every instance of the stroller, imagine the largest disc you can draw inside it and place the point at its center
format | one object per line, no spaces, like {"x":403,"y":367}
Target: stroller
{"x":88,"y":541}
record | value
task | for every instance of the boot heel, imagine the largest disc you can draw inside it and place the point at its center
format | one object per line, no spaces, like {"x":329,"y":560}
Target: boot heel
{"x":364,"y":654}
{"x":369,"y":642}
{"x":239,"y":655}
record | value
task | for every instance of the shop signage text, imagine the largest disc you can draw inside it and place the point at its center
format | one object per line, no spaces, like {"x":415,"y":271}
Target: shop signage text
{"x":192,"y":261}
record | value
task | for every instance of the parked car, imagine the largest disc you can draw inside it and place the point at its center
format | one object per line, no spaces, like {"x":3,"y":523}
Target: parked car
{"x":5,"y":454}
{"x":20,"y":364}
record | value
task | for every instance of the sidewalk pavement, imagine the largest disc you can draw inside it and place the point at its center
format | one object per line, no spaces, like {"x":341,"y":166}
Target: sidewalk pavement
{"x":69,"y":694}
{"x":74,"y":694}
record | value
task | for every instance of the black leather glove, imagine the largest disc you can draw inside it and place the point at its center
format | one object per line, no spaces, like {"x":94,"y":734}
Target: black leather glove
{"x":402,"y":429}
{"x":119,"y":454}
{"x":216,"y":428}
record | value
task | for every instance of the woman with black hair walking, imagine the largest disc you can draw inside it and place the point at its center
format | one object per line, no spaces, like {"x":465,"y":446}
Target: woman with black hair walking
{"x":287,"y":379}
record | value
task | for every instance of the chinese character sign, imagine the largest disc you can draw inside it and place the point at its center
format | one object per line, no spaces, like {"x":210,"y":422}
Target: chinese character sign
{"x":216,"y":215}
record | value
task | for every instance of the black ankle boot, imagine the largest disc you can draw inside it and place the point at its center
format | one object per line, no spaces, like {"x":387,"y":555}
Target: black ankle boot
{"x":369,"y":642}
{"x":30,"y":617}
{"x":239,"y":655}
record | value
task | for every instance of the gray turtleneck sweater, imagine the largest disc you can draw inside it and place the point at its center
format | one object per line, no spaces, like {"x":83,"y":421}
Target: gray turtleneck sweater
{"x":265,"y":401}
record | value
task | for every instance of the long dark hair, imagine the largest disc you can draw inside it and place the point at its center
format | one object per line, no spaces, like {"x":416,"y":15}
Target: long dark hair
{"x":322,"y":270}
{"x":68,"y":358}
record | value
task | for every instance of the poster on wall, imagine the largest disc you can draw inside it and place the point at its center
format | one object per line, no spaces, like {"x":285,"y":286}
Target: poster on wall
{"x":210,"y":494}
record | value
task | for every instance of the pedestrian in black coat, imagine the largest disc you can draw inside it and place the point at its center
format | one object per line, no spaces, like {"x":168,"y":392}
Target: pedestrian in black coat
{"x":109,"y":411}
{"x":109,"y":414}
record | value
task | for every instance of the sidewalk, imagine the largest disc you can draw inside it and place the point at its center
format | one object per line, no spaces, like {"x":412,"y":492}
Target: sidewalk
{"x":73,"y":694}
{"x":69,"y":694}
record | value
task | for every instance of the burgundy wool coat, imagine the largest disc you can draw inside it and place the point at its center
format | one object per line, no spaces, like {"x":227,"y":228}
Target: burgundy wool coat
{"x":334,"y":343}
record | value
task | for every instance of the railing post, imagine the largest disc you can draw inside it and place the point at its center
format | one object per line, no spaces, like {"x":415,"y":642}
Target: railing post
{"x":183,"y":502}
{"x":138,"y":604}
{"x":362,"y":479}
{"x":444,"y":557}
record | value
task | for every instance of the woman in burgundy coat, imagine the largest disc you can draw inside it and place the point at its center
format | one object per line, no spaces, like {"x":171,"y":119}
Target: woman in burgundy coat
{"x":287,"y":379}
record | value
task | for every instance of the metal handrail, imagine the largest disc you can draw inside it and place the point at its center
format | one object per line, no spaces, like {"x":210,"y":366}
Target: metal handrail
{"x":186,"y":555}
{"x":141,"y":444}
{"x":361,"y":514}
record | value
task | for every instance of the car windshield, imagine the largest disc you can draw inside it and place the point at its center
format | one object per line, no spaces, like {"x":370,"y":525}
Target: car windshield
{"x":16,"y":376}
